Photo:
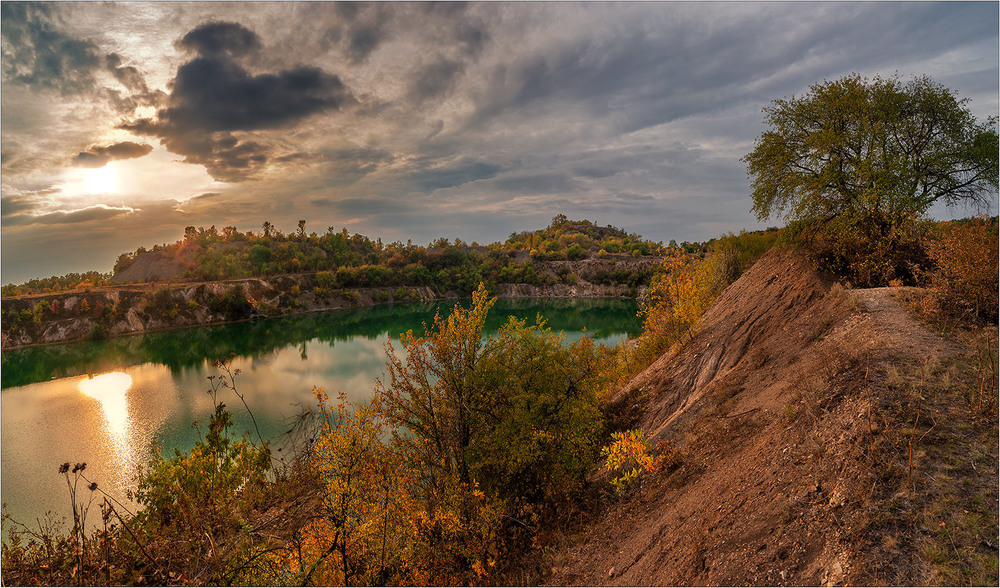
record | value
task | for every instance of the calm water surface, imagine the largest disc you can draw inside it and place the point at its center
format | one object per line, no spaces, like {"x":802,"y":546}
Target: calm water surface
{"x":111,"y":403}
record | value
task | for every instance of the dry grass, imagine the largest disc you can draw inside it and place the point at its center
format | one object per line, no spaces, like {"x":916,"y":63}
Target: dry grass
{"x":936,"y":476}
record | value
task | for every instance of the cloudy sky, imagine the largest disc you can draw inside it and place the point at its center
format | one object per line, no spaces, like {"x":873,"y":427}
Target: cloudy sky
{"x":122,"y":123}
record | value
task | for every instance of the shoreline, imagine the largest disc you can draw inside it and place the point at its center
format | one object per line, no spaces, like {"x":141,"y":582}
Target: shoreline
{"x":363,"y":298}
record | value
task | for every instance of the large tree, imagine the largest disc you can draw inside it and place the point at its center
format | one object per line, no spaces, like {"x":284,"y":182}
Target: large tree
{"x":873,"y":153}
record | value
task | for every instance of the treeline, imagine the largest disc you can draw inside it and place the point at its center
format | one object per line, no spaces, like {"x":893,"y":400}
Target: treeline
{"x":346,"y":260}
{"x":567,"y":239}
{"x":357,"y":260}
{"x":70,"y":281}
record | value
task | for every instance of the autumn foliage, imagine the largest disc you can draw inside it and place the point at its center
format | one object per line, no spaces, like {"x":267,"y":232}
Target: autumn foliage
{"x":464,"y":450}
{"x":965,"y":267}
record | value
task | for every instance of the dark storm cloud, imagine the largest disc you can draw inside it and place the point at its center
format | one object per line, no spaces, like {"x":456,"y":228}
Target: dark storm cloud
{"x":38,"y":55}
{"x":99,"y":156}
{"x":216,"y":38}
{"x":214,"y":96}
{"x":217,"y":94}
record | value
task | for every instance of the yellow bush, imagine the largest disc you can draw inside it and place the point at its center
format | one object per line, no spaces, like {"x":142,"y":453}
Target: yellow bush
{"x":628,"y":458}
{"x":678,"y":295}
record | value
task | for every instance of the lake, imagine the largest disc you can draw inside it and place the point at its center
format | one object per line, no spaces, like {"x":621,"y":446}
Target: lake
{"x":111,"y":403}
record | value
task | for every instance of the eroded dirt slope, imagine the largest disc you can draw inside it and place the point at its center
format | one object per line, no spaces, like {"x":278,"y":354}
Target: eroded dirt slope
{"x":768,"y":408}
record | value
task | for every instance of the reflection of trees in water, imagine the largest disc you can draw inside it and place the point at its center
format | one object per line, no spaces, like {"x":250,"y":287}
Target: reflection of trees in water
{"x":189,"y":348}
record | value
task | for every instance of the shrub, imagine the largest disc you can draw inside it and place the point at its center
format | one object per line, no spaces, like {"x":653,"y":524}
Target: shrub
{"x":628,"y":458}
{"x":97,"y":331}
{"x":965,"y":266}
{"x":161,"y":303}
{"x":326,"y":279}
{"x":233,"y":305}
{"x":868,"y":255}
{"x":678,"y":296}
{"x":347,"y":277}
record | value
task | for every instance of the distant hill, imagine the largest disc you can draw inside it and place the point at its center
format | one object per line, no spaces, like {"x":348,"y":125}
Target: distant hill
{"x":209,"y":254}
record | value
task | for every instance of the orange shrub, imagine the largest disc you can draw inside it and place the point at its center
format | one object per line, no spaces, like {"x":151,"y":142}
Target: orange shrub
{"x":965,"y":267}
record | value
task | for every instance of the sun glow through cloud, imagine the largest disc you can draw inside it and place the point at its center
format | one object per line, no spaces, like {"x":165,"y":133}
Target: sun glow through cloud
{"x":103,"y":180}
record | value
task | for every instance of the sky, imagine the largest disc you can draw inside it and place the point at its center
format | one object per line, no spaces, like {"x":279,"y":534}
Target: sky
{"x":123,"y":123}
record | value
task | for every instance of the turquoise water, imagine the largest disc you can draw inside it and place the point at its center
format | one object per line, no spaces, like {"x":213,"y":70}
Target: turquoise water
{"x":111,"y":403}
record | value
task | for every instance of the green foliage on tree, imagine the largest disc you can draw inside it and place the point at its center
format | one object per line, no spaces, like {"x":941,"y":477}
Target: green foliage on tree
{"x":859,"y":161}
{"x":874,"y":150}
{"x":544,"y":414}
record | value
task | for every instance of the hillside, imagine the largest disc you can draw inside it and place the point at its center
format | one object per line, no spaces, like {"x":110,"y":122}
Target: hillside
{"x":783,"y":477}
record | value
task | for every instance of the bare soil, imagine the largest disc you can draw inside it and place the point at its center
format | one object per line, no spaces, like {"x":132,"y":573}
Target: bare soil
{"x":789,"y":409}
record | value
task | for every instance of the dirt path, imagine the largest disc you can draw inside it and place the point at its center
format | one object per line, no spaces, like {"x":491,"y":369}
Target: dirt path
{"x":895,"y":328}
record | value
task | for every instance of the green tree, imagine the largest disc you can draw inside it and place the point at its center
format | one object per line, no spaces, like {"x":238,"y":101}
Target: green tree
{"x":517,"y":412}
{"x":436,"y":391}
{"x":876,"y":151}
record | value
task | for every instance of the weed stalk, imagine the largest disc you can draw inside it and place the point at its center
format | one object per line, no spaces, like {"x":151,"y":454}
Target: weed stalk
{"x":913,"y":431}
{"x":868,"y":391}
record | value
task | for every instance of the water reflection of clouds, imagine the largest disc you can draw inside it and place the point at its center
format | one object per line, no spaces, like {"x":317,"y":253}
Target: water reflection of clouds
{"x":350,"y":366}
{"x":279,"y":384}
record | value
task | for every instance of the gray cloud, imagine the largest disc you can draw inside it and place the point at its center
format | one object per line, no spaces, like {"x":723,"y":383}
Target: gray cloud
{"x":99,"y":156}
{"x":434,"y":80}
{"x":451,"y":175}
{"x":214,"y":96}
{"x":449,"y":119}
{"x":363,"y":28}
{"x":540,"y":183}
{"x":129,"y":76}
{"x":36,"y":54}
{"x":15,"y":205}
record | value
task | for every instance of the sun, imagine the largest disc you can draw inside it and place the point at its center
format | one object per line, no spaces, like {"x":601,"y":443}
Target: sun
{"x":102,"y":180}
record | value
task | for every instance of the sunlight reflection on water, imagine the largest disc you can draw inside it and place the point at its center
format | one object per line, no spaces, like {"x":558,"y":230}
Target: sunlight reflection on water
{"x":111,"y":391}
